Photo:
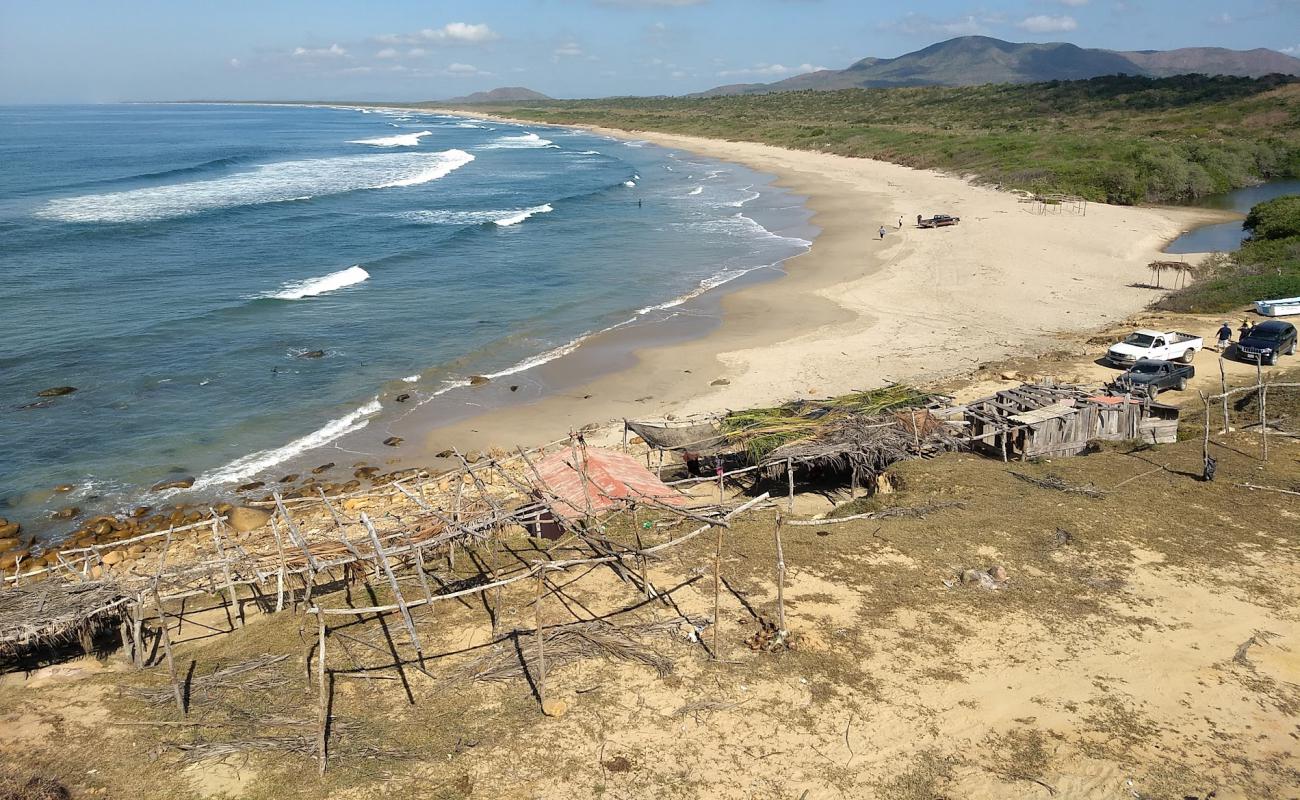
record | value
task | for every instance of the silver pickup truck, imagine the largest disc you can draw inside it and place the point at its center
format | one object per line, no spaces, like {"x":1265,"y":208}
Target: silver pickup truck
{"x":1157,"y":345}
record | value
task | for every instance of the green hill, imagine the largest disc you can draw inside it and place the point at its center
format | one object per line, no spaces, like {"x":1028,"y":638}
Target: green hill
{"x":1119,"y":139}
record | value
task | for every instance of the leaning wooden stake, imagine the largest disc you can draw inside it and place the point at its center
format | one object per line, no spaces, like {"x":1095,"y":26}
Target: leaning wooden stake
{"x":167,"y":651}
{"x":322,"y":698}
{"x":1263,"y":417}
{"x":1223,"y":391}
{"x":541,"y":640}
{"x":382,"y":558}
{"x":717,"y":589}
{"x":237,"y":620}
{"x":780,"y":579}
{"x":1205,"y":444}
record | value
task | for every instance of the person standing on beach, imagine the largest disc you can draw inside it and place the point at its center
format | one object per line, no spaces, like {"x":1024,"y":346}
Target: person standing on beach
{"x":900,"y":223}
{"x":918,"y":219}
{"x":882,"y":231}
{"x":1225,"y":336}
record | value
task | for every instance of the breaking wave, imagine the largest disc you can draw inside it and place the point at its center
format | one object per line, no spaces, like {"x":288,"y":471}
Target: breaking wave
{"x":296,"y":290}
{"x":503,"y":218}
{"x":523,"y":142}
{"x":400,"y":140}
{"x":243,"y":468}
{"x":268,"y":183}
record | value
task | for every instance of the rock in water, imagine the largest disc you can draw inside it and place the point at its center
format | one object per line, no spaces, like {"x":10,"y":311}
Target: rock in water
{"x":312,"y":354}
{"x":64,"y":488}
{"x":66,"y":513}
{"x":56,"y":391}
{"x":243,"y":519}
{"x":402,"y":398}
{"x":393,"y":441}
{"x":8,"y":529}
{"x":179,"y":483}
{"x":322,"y":468}
{"x":248,"y":487}
{"x":290,"y":478}
{"x":478,"y":380}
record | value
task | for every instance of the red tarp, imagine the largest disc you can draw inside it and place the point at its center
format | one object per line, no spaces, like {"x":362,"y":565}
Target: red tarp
{"x":609,"y":475}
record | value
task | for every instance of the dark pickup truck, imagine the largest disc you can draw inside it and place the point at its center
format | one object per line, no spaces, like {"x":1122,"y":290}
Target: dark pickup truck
{"x":939,"y":221}
{"x":1150,"y":377}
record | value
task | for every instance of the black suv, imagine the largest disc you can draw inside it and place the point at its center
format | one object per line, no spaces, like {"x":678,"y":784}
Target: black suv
{"x":1268,"y":340}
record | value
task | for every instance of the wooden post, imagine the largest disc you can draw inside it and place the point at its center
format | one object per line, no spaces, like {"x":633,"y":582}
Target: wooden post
{"x":625,"y":435}
{"x":1263,"y":417}
{"x":1223,"y":391}
{"x":789,"y":478}
{"x":236,"y":621}
{"x":1205,"y":444}
{"x":322,"y":698}
{"x":541,"y":640}
{"x":382,"y":559}
{"x":717,"y":589}
{"x":780,"y":578}
{"x":279,"y":575}
{"x":720,"y":488}
{"x":167,"y":650}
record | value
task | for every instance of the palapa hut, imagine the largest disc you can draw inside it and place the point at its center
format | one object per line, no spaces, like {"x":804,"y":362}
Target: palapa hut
{"x":54,"y":613}
{"x":1045,"y":421}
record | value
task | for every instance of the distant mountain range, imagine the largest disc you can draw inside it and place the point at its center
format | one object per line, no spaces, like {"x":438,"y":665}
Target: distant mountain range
{"x":973,"y":60}
{"x":504,"y":94}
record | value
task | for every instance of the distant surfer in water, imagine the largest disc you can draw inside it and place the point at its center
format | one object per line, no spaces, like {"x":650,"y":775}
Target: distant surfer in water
{"x":638,"y":202}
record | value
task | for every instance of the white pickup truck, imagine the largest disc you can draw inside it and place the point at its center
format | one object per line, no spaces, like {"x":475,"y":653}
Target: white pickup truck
{"x":1161,"y":345}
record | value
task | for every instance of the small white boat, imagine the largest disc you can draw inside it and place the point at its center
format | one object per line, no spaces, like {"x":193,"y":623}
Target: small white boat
{"x":1284,"y":307}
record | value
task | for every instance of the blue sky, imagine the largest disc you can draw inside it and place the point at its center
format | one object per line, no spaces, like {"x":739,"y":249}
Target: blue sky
{"x":108,"y":50}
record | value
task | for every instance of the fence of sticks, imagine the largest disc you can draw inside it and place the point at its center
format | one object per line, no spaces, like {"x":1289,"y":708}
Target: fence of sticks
{"x":408,"y":544}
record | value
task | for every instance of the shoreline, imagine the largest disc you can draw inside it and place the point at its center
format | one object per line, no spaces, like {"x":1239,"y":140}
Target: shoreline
{"x":852,"y":312}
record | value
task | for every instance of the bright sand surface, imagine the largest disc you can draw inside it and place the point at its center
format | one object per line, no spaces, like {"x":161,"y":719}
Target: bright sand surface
{"x":856,"y":311}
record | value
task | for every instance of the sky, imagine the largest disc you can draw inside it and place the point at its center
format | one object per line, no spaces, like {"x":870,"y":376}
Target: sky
{"x":63,"y":51}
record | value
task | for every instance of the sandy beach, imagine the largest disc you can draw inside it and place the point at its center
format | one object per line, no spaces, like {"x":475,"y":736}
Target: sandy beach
{"x":856,"y":311}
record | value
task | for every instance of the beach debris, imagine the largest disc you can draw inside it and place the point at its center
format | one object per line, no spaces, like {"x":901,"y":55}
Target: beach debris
{"x":178,"y":483}
{"x":243,"y":519}
{"x":617,"y":764}
{"x":554,"y":708}
{"x":312,"y":354}
{"x":402,"y":398}
{"x":998,"y":573}
{"x":250,"y":486}
{"x":393,"y":441}
{"x":514,"y":387}
{"x":322,"y":468}
{"x":720,"y":382}
{"x":981,"y":578}
{"x":236,"y":676}
{"x":478,"y":380}
{"x":56,"y":391}
{"x":566,"y":644}
{"x":769,"y":638}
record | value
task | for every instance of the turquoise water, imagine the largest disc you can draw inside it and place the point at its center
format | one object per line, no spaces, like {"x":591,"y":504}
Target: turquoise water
{"x":228,"y":286}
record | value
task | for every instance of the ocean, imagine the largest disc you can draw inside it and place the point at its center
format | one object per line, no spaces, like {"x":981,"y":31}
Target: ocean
{"x":230,"y":286}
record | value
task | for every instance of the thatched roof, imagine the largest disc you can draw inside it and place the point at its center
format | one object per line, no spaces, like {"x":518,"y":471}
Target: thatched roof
{"x":54,"y":612}
{"x":867,"y":445}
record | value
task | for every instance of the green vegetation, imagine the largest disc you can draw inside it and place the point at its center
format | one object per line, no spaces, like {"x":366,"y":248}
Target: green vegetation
{"x":1118,"y":139}
{"x":1266,"y":266}
{"x":763,"y":430}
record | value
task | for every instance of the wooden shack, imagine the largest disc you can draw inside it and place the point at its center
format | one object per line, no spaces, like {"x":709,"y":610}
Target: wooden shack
{"x":1045,"y":421}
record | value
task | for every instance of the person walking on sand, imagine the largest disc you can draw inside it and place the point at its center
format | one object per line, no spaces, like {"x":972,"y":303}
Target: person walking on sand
{"x":1225,"y":336}
{"x":900,"y":222}
{"x":882,"y":231}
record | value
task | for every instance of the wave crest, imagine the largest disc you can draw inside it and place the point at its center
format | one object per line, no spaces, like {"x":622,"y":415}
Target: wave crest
{"x":296,"y":290}
{"x":400,"y":140}
{"x":523,"y":142}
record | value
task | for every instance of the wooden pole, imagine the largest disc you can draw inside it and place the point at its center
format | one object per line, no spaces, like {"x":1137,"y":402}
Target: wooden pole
{"x":717,"y":589}
{"x":322,"y":698}
{"x":382,"y":559}
{"x":279,"y":575}
{"x":541,"y":640}
{"x":1223,"y":386}
{"x":789,"y":479}
{"x":236,"y":621}
{"x":167,"y":650}
{"x":1205,"y":444}
{"x":1263,"y":417}
{"x":780,"y":578}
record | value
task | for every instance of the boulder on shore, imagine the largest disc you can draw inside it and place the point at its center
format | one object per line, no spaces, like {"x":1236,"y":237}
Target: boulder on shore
{"x":179,"y":483}
{"x":322,"y":468}
{"x":243,"y":519}
{"x":393,"y":441}
{"x":478,"y":380}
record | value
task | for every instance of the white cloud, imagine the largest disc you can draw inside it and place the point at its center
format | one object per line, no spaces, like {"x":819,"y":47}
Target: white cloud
{"x":1222,"y":19}
{"x":1044,"y":23}
{"x":914,"y":24}
{"x":236,"y":63}
{"x":387,"y":52}
{"x":769,"y":70}
{"x":416,"y":52}
{"x":1291,"y":51}
{"x":568,"y":50}
{"x":464,"y":69}
{"x":452,"y":33}
{"x":333,"y":51}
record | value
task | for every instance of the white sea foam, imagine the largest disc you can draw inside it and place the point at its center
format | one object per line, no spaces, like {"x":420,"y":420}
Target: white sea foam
{"x":637,"y":143}
{"x":254,"y":463}
{"x":411,"y":379}
{"x":400,"y":140}
{"x":629,"y":184}
{"x":695,"y":191}
{"x":520,"y":216}
{"x":753,"y":195}
{"x":504,"y":218}
{"x":523,"y":142}
{"x":296,"y":290}
{"x":269,"y":183}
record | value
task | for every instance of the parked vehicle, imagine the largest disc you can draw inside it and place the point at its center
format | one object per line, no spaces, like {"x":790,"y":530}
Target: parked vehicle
{"x":1156,"y":345}
{"x":1149,"y":377}
{"x":1266,"y":341}
{"x":939,"y":221}
{"x":1283,"y":307}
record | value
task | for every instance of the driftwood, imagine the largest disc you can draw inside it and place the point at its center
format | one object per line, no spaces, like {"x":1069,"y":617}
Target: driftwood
{"x":1053,"y":482}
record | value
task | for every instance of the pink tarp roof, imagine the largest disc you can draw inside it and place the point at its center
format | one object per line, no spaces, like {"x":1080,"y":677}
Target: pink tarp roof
{"x":609,"y":475}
